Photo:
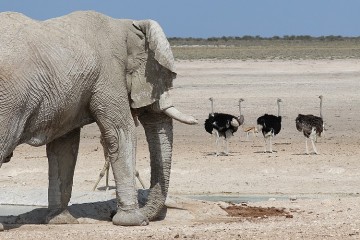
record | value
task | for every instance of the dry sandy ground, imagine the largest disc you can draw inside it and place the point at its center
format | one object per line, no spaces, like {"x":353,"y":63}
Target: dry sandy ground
{"x":321,"y":192}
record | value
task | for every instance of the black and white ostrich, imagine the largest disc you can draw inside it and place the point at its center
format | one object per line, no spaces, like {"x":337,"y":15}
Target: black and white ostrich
{"x":106,"y":168}
{"x":222,"y":125}
{"x":270,"y":125}
{"x":311,"y":126}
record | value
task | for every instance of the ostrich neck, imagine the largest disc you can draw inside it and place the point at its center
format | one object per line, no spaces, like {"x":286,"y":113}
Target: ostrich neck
{"x":212,"y":107}
{"x":321,"y":115}
{"x":240,"y":108}
{"x":279,"y":112}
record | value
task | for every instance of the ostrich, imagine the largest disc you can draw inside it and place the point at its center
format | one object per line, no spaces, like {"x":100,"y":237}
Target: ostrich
{"x":311,"y":126}
{"x":106,"y":167}
{"x":223,"y":125}
{"x":105,"y":171}
{"x":270,"y":125}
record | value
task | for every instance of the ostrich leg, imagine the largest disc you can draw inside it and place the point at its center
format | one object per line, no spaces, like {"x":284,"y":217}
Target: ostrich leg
{"x":105,"y":171}
{"x":217,"y":138}
{"x":313,"y":145}
{"x":228,"y":135}
{"x":140,"y":180}
{"x":313,"y":139}
{"x":270,"y":144}
{"x":226,"y":147}
{"x":306,"y":147}
{"x":265,"y":144}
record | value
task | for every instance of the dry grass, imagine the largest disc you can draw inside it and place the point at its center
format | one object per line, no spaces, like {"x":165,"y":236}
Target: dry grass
{"x":271,"y":49}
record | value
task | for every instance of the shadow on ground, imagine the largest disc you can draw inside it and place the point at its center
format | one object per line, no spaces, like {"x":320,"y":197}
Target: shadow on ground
{"x":100,"y":211}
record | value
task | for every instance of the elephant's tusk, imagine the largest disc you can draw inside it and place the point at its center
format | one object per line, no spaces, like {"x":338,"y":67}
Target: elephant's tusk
{"x":179,"y":116}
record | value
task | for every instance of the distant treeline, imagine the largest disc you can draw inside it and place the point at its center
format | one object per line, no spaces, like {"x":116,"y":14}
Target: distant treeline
{"x":233,"y":40}
{"x":256,"y":47}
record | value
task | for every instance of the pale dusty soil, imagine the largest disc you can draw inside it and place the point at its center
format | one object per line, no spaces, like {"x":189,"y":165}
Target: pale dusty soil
{"x":324,"y":189}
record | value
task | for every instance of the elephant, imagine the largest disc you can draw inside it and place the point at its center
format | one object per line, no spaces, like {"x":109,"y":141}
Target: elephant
{"x":60,"y":74}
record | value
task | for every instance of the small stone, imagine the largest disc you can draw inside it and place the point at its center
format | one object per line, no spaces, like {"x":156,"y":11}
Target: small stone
{"x":223,"y":205}
{"x":293,"y":198}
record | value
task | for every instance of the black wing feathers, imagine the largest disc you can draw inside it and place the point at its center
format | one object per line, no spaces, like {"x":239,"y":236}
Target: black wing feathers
{"x":270,"y":123}
{"x":306,"y":123}
{"x":221,"y":122}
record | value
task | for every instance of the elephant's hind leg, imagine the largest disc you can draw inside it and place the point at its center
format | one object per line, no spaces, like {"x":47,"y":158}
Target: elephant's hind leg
{"x":62,"y":155}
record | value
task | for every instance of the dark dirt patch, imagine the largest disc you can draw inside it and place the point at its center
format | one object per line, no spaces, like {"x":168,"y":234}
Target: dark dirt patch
{"x":256,"y":212}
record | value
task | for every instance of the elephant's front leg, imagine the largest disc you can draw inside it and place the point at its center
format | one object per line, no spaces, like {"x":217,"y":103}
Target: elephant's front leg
{"x":120,"y":147}
{"x":62,"y":155}
{"x":118,"y":134}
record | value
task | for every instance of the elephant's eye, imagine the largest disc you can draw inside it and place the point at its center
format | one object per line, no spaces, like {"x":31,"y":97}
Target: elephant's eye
{"x":167,"y":77}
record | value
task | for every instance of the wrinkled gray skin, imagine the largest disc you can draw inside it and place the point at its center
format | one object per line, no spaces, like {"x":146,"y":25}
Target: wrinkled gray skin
{"x":61,"y":74}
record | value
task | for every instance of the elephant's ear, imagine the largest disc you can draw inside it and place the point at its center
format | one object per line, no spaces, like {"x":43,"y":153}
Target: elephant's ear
{"x":150,"y":67}
{"x":158,"y":43}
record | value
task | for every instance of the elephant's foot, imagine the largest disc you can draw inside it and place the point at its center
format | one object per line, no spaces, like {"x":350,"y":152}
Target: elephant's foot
{"x":161,"y":215}
{"x":130,"y":218}
{"x":154,"y":215}
{"x":60,"y":216}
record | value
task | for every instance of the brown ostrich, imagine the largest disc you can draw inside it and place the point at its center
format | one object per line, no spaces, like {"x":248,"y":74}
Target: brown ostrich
{"x":311,"y":126}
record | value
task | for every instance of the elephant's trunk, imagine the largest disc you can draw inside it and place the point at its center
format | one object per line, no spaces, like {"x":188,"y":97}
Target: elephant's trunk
{"x":159,"y":134}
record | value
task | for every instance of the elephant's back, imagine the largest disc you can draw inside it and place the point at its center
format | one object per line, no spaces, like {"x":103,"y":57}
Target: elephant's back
{"x":99,"y":31}
{"x":88,"y":17}
{"x":27,"y":44}
{"x":14,"y":38}
{"x":80,"y":22}
{"x":14,"y":20}
{"x":36,"y":57}
{"x":17,"y":33}
{"x":14,"y":28}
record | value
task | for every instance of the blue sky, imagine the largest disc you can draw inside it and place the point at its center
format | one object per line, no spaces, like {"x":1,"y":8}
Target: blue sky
{"x":215,"y":18}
